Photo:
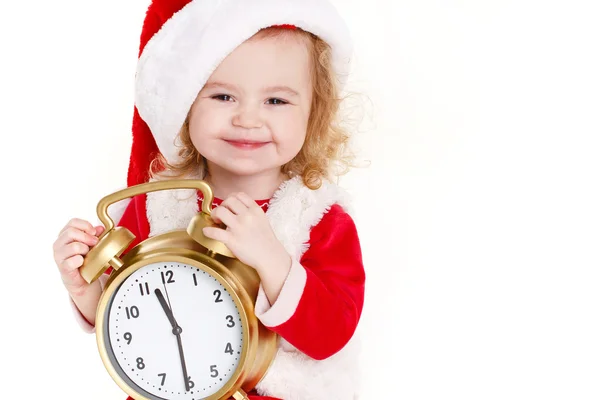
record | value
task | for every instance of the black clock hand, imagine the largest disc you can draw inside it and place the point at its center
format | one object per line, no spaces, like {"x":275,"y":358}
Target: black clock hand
{"x":179,"y":344}
{"x":183,"y":367}
{"x":167,"y":310}
{"x":176,"y":331}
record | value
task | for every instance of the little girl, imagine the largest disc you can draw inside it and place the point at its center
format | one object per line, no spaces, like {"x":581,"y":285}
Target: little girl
{"x":244,"y":94}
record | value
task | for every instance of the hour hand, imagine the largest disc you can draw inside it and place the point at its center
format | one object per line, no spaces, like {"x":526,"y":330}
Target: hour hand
{"x":167,"y":310}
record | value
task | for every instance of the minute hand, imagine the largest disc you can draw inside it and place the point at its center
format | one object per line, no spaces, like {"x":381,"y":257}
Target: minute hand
{"x":177,"y":332}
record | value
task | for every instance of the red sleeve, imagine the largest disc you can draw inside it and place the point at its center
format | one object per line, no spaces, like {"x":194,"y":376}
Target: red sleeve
{"x":134,"y":218}
{"x":320,"y":304}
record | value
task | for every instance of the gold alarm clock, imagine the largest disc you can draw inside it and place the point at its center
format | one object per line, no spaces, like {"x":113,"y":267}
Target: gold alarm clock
{"x":176,"y":317}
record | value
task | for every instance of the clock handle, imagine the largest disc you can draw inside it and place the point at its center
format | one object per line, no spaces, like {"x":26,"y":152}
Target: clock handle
{"x":240,"y":395}
{"x":102,"y":208}
{"x":113,"y":241}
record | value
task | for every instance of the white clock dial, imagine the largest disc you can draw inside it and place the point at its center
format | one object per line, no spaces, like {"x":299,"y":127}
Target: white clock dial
{"x":145,"y":344}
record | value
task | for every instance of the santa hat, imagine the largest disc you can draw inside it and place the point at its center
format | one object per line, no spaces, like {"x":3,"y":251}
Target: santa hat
{"x":183,"y":42}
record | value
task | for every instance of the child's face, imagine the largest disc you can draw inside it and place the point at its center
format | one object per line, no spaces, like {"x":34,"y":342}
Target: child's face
{"x":244,"y":100}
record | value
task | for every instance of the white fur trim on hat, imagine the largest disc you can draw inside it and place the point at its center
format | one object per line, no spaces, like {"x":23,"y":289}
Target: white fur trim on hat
{"x":177,"y":61}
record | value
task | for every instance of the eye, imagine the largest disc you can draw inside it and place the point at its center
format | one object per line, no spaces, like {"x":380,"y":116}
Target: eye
{"x":222,"y":97}
{"x":275,"y":101}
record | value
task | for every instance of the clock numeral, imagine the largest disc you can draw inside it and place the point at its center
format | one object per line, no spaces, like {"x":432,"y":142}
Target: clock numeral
{"x":164,"y":376}
{"x":230,"y":324}
{"x":127,"y":337}
{"x":134,"y":313}
{"x":218,"y":294}
{"x":229,"y":349}
{"x":195,"y":281}
{"x":142,"y":291}
{"x":213,"y":371}
{"x":169,"y":277}
{"x":140,"y":363}
{"x":190,"y":382}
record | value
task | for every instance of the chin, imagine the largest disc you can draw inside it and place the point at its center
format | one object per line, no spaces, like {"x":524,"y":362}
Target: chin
{"x":244,"y":167}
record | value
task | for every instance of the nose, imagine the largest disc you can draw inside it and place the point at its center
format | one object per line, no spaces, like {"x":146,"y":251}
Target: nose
{"x":247,"y":117}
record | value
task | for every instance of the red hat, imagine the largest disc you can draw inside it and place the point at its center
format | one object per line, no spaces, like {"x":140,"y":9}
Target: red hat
{"x":182,"y":43}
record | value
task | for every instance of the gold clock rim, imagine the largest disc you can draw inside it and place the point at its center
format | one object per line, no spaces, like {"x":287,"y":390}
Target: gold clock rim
{"x":222,"y":274}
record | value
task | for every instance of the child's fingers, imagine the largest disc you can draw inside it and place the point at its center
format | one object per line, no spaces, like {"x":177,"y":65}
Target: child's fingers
{"x":72,"y":242}
{"x":76,"y":235}
{"x":221,"y":235}
{"x":223,"y":215}
{"x":247,"y":201}
{"x":70,"y":250}
{"x":235,"y":205}
{"x":79,"y":224}
{"x":71,"y":264}
{"x":71,"y":276}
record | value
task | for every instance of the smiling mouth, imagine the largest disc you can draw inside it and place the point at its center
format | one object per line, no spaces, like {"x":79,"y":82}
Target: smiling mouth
{"x":246,"y":144}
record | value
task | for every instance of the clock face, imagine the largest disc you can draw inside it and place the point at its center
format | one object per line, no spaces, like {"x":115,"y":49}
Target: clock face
{"x":144,"y":341}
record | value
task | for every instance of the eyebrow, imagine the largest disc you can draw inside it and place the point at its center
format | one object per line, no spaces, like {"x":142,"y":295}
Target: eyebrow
{"x":280,"y":88}
{"x":266,"y":89}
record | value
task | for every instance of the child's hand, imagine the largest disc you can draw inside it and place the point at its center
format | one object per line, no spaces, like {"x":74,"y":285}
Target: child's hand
{"x":249,"y":235}
{"x":74,"y":241}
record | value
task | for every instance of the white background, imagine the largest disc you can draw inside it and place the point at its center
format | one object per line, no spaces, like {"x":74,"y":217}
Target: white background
{"x":479,"y":214}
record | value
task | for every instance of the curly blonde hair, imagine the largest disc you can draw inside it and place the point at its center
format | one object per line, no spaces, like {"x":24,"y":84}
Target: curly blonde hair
{"x":326,"y":145}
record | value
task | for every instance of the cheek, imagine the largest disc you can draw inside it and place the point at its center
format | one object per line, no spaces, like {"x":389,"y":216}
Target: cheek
{"x":291,"y":132}
{"x":297,"y":141}
{"x":204,"y":126}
